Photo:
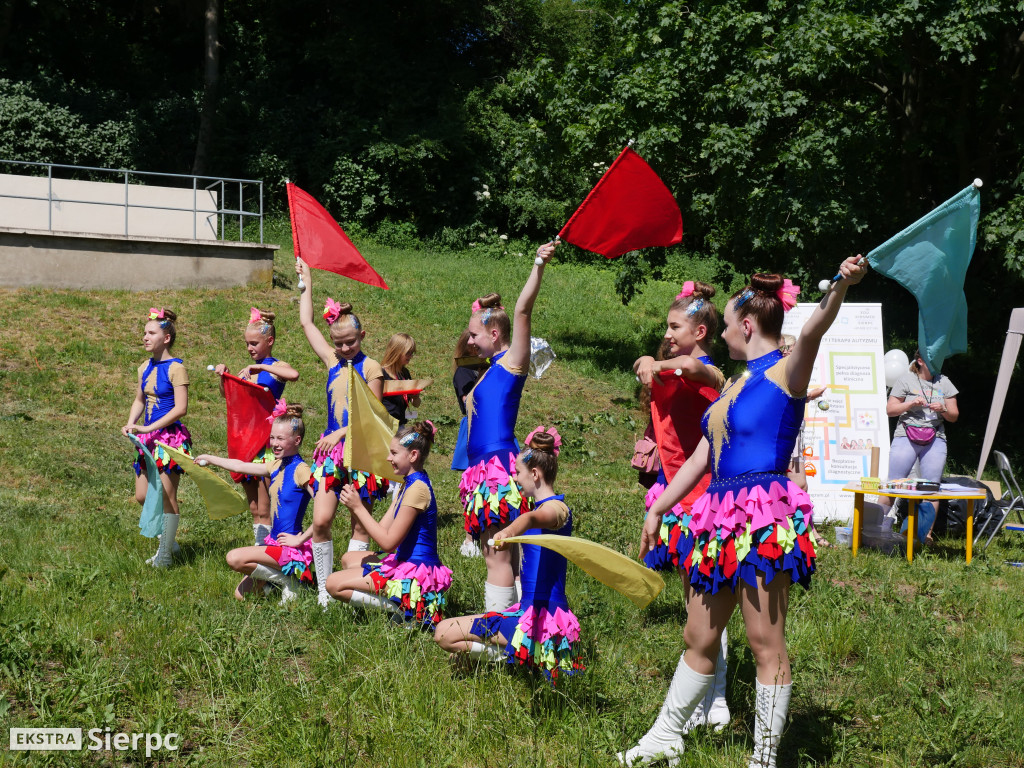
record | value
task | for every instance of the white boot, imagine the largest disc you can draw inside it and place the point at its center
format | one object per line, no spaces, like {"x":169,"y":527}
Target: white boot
{"x":664,"y":741}
{"x":713,"y":709}
{"x":260,"y":531}
{"x":323,"y":564}
{"x":365,"y":599}
{"x":289,"y":584}
{"x":470,"y":548}
{"x":498,"y":598}
{"x":175,"y":549}
{"x":162,"y":558}
{"x":770,"y":709}
{"x":354,"y":545}
{"x":486,"y":651}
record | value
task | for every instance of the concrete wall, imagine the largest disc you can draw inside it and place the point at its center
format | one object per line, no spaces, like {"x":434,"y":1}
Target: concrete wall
{"x":78,"y":206}
{"x":89,"y":261}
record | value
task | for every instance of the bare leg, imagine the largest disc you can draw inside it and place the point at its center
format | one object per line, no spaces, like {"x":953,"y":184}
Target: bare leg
{"x":342,"y":584}
{"x":325,"y":507}
{"x":244,"y":560}
{"x":499,"y":561}
{"x":141,"y":486}
{"x":454,"y":635}
{"x":707,"y":616}
{"x":170,"y":482}
{"x":764,"y":614}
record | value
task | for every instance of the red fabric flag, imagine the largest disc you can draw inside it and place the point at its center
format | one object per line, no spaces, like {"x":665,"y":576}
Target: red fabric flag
{"x":321,"y":242}
{"x":677,"y":405}
{"x":249,"y":405}
{"x":628,"y":209}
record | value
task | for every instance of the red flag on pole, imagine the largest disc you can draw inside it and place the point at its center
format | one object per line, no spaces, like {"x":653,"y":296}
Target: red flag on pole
{"x":249,"y":405}
{"x":628,"y":209}
{"x":321,"y":242}
{"x":677,"y":405}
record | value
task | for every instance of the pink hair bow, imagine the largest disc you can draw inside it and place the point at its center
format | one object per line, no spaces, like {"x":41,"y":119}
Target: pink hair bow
{"x":156,"y":314}
{"x":280,"y":408}
{"x":476,"y":306}
{"x":254,"y":315}
{"x":332,"y":311}
{"x":687,"y":290}
{"x":551,"y":431}
{"x":787,"y":294}
{"x":433,"y":429}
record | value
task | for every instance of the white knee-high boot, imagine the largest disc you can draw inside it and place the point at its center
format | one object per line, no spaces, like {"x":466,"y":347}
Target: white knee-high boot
{"x":377,"y":602}
{"x":354,"y":545}
{"x":713,"y":709}
{"x":260,"y":531}
{"x":486,"y":651}
{"x":498,"y":598}
{"x":162,"y":558}
{"x":323,"y":563}
{"x":771,"y":709}
{"x":289,"y":584}
{"x":664,"y":741}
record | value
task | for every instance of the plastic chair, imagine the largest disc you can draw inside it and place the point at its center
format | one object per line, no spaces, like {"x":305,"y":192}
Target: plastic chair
{"x":1012,"y":500}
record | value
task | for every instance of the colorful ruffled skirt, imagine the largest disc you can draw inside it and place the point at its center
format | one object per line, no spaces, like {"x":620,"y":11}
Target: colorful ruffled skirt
{"x":265,"y":456}
{"x":490,"y":495}
{"x":329,"y":468}
{"x":295,"y":561}
{"x":537,"y":637}
{"x":418,"y":589}
{"x":176,"y":435}
{"x":675,"y":542}
{"x":749,"y":525}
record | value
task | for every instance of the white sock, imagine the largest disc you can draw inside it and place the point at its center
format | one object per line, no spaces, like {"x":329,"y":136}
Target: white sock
{"x":260,"y":532}
{"x":498,"y":598}
{"x":373,"y":601}
{"x":491,"y":652}
{"x":354,"y":545}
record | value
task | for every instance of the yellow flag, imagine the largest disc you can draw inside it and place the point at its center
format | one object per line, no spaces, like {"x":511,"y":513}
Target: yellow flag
{"x":613,"y":569}
{"x":221,"y":499}
{"x":370,"y":429}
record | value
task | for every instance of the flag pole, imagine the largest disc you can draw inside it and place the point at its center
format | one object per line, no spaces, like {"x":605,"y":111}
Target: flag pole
{"x":301,"y":285}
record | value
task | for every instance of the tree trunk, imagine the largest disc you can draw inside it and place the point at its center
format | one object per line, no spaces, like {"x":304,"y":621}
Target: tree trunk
{"x":211,"y":82}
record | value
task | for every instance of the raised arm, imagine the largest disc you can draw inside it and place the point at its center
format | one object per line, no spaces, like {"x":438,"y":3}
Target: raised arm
{"x":519,"y":347}
{"x":801,"y":359}
{"x":323,"y":349}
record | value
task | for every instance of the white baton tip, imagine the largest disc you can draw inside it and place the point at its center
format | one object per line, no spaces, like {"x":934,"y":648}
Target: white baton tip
{"x":490,"y":542}
{"x":824,"y":285}
{"x":209,"y":368}
{"x":678,"y":371}
{"x":302,"y":285}
{"x":538,"y":261}
{"x":977,"y":183}
{"x":202,"y":462}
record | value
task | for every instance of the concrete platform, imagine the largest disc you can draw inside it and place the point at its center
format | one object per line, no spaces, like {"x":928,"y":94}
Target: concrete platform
{"x":80,"y":260}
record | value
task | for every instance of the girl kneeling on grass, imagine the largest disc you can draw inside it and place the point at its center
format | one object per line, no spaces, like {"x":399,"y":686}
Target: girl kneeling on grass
{"x":161,"y":397}
{"x":540,"y":630}
{"x":273,"y":374}
{"x":411,"y":580}
{"x":287,"y":553}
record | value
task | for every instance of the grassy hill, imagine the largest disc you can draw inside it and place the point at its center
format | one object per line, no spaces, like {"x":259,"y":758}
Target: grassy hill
{"x":894,"y":664}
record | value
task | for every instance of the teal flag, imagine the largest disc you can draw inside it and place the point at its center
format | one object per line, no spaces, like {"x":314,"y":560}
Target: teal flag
{"x":151,"y":521}
{"x":930,"y":259}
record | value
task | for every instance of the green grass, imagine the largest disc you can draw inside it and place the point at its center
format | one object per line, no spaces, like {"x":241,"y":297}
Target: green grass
{"x":894,"y":664}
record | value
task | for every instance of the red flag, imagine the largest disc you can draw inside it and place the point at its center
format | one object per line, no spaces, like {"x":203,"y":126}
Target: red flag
{"x":628,"y":209}
{"x":320,"y":241}
{"x":249,"y":405}
{"x":677,"y":405}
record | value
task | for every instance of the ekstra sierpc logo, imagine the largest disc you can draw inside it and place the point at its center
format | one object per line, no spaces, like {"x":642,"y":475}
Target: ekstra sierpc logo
{"x":98,"y":739}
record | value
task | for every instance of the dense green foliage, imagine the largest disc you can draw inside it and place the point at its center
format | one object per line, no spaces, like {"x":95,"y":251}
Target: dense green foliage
{"x":791,"y":133}
{"x":895,"y":664}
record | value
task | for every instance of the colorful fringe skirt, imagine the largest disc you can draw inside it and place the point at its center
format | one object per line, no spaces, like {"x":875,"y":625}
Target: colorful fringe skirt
{"x":329,"y":468}
{"x":675,"y":542}
{"x":536,"y":637}
{"x":418,"y":589}
{"x":295,"y":561}
{"x":749,"y":525}
{"x":490,"y":495}
{"x":176,"y":435}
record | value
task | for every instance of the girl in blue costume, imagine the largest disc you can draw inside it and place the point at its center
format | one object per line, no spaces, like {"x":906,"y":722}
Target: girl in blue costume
{"x":329,"y":474}
{"x":273,"y":374}
{"x":490,"y":496}
{"x":286,"y":555}
{"x":161,"y":399}
{"x":539,"y":630}
{"x":411,"y":581}
{"x":752,"y":526}
{"x":691,"y":328}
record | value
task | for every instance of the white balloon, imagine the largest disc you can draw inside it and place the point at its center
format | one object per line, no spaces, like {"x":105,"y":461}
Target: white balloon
{"x":896,"y":364}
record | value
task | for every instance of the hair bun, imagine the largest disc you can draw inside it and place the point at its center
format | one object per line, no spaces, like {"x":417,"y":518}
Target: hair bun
{"x":266,"y":315}
{"x":766,"y":283}
{"x":490,"y":301}
{"x":425,"y":430}
{"x":294,"y":411}
{"x":346,"y":309}
{"x":702,"y":290}
{"x":542,"y":441}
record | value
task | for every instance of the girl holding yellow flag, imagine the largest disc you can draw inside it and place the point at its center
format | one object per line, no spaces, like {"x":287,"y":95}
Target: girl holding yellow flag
{"x":752,"y":526}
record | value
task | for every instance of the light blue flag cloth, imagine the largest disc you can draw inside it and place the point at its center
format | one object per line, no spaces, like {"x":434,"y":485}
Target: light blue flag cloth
{"x":151,"y":521}
{"x":930,"y":259}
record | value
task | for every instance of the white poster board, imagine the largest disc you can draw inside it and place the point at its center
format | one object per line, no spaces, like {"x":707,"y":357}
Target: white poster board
{"x":838,"y":441}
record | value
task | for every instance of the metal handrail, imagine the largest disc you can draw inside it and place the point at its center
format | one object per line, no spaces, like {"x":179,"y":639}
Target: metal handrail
{"x":221,"y":211}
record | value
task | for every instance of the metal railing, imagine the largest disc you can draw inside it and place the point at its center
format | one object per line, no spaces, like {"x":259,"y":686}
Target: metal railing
{"x":225,"y":185}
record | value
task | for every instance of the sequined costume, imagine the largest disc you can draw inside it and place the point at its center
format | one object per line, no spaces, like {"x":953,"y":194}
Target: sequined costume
{"x":289,"y":477}
{"x":157,"y":379}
